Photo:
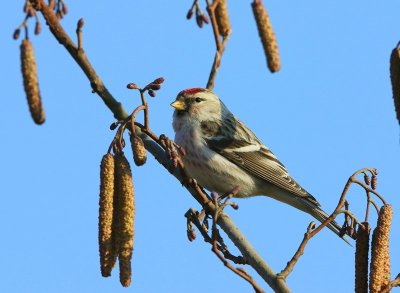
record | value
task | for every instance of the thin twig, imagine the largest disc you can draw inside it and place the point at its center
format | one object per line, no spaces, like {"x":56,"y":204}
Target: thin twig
{"x":146,"y":109}
{"x":80,"y":58}
{"x":220,"y":45}
{"x":192,"y":216}
{"x":216,"y":251}
{"x":133,"y":117}
{"x":392,"y":284}
{"x":311,"y":232}
{"x":79,"y":33}
{"x":366,"y":187}
{"x":290,"y":265}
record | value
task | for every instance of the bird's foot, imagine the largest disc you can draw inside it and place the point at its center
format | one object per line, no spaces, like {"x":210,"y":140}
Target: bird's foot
{"x":174,"y":151}
{"x":223,"y":200}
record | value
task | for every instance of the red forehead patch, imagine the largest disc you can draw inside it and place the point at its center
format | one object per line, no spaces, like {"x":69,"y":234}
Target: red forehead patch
{"x":191,"y":91}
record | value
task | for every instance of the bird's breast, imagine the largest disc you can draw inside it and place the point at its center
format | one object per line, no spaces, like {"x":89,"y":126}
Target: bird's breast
{"x":210,"y":169}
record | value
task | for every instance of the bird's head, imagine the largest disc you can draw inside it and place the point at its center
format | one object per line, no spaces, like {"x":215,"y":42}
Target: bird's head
{"x":197,"y":104}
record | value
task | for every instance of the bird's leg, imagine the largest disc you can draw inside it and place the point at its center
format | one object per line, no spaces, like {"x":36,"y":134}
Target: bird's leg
{"x":220,"y":205}
{"x":223,"y":200}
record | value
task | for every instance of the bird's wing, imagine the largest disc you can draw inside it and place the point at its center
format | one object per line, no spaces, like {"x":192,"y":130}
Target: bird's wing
{"x":246,"y":151}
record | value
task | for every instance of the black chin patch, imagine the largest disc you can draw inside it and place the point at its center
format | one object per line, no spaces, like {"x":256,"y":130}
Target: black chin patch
{"x":180,"y":112}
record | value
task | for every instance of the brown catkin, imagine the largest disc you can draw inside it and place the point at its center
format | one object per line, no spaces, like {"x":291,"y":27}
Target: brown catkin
{"x":138,"y":149}
{"x":124,"y":197}
{"x":108,"y":253}
{"x":267,"y":36}
{"x":395,"y":79}
{"x":380,"y":259}
{"x":31,"y":85}
{"x":361,"y":258}
{"x":221,"y":14}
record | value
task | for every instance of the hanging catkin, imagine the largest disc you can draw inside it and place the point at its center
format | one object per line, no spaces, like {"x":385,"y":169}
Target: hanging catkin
{"x":267,"y":36}
{"x":380,"y":261}
{"x":108,"y":253}
{"x":361,"y":258}
{"x":221,"y":14}
{"x":124,"y":215}
{"x":395,"y":79}
{"x":31,"y":85}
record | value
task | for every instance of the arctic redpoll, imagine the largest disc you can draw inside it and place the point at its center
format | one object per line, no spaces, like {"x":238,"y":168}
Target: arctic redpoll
{"x":222,"y":154}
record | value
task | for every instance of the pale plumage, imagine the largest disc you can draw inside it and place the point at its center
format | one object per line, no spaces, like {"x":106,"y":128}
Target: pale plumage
{"x":222,"y":153}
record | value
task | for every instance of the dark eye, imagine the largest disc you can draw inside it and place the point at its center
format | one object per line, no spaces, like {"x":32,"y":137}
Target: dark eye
{"x":198,"y":100}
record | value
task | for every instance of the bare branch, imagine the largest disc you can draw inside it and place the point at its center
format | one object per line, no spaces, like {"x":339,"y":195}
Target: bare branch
{"x":80,"y":58}
{"x":220,"y":45}
{"x":312,"y":231}
{"x":290,"y":265}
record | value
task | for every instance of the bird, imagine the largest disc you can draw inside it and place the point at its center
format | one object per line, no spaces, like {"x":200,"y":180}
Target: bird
{"x":223,"y":154}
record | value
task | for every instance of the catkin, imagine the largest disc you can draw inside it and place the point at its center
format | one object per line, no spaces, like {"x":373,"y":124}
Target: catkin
{"x":138,"y":150}
{"x":221,"y":14}
{"x":108,"y":253}
{"x":31,"y":85}
{"x":267,"y":36}
{"x":124,"y":197}
{"x":380,"y":259}
{"x":395,"y":79}
{"x":361,"y":259}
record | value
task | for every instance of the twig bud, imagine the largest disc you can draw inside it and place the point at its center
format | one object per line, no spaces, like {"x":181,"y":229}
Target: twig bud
{"x":108,"y":253}
{"x":81,"y":23}
{"x":38,"y":28}
{"x":125,"y":205}
{"x":395,"y":79}
{"x":234,"y":205}
{"x":221,"y":14}
{"x":132,"y":86}
{"x":16,"y":34}
{"x":52,"y":4}
{"x":60,"y":14}
{"x":199,"y":21}
{"x":361,"y":258}
{"x":154,"y":86}
{"x":189,"y":14}
{"x":191,"y":234}
{"x":367,"y":179}
{"x":159,"y":80}
{"x":374,"y":182}
{"x":139,"y":151}
{"x":205,"y":18}
{"x":151,"y":93}
{"x":31,"y":85}
{"x":64,"y":9}
{"x":113,"y":125}
{"x":267,"y":36}
{"x":380,"y":259}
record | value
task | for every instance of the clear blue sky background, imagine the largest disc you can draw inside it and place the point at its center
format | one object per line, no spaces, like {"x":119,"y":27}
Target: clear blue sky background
{"x":327,"y":113}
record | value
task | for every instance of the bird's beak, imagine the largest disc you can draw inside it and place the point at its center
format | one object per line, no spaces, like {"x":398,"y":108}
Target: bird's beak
{"x":179,"y":105}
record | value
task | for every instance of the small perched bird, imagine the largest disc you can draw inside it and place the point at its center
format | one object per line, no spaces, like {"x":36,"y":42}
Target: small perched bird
{"x":222,"y":153}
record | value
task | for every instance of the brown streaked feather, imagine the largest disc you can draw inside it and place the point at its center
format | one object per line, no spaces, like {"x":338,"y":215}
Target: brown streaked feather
{"x":261,"y":163}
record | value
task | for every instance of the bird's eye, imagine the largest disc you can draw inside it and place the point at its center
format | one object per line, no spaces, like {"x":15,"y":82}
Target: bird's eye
{"x":198,"y":100}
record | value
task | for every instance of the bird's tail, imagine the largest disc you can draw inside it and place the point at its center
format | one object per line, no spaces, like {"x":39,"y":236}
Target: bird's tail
{"x":321,"y":216}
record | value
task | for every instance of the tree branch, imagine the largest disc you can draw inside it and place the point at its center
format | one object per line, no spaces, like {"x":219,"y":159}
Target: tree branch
{"x":220,"y":46}
{"x":80,"y":57}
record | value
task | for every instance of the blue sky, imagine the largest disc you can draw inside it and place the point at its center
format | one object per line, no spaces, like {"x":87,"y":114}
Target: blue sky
{"x":326,"y":114}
